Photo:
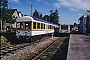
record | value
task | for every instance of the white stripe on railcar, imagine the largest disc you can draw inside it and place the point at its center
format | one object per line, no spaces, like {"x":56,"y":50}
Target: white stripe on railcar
{"x":38,"y":32}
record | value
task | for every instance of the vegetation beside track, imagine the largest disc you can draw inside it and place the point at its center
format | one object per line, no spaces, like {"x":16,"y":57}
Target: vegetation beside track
{"x":88,"y":34}
{"x":61,"y":53}
{"x":58,"y":51}
{"x":3,"y":42}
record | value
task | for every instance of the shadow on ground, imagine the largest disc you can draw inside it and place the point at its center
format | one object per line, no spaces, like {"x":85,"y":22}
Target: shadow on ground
{"x":61,"y":53}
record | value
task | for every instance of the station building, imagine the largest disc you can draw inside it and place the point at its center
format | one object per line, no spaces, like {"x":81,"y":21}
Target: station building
{"x":82,"y":22}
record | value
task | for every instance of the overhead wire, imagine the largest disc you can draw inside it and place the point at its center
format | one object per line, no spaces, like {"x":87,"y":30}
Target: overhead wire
{"x":20,"y":5}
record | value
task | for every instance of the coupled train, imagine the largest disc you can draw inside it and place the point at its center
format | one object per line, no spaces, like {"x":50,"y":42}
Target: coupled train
{"x":32,"y":28}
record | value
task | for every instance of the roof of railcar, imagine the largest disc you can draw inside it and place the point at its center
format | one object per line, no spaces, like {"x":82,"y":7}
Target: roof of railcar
{"x":43,"y":21}
{"x":29,"y":18}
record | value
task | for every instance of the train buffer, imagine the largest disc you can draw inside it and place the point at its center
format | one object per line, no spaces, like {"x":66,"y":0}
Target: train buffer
{"x":79,"y":47}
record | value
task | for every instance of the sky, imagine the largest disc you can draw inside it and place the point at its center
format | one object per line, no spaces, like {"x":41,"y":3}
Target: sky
{"x":69,"y":10}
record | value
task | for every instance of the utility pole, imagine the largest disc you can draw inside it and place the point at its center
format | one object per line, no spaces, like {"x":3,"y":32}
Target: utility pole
{"x":31,"y":8}
{"x":1,"y":24}
{"x":1,"y":20}
{"x":10,"y":16}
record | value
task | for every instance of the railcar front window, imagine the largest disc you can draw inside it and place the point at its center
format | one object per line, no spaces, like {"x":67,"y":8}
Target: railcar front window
{"x":64,"y":27}
{"x":18,"y":25}
{"x":23,"y":25}
{"x":27,"y":25}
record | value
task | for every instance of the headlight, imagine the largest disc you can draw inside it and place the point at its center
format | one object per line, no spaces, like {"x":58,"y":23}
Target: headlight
{"x":18,"y":31}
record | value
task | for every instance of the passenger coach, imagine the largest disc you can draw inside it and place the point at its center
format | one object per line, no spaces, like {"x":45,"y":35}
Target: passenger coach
{"x":31,"y":27}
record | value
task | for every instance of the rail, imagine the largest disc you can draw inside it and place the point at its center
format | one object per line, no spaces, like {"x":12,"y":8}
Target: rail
{"x":36,"y":57}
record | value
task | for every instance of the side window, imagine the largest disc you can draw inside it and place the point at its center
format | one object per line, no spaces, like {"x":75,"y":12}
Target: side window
{"x":44,"y":26}
{"x":34,"y":25}
{"x":38,"y":25}
{"x":41,"y":25}
{"x":50,"y":26}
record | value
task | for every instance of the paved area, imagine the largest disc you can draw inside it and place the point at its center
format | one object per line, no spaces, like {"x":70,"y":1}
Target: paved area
{"x":79,"y":47}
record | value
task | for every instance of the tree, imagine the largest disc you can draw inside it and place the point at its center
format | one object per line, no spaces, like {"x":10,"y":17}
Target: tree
{"x":6,"y":15}
{"x":88,"y":25}
{"x":40,"y":15}
{"x":11,"y":19}
{"x":47,"y":18}
{"x":3,"y":10}
{"x":54,"y":18}
{"x":37,"y":14}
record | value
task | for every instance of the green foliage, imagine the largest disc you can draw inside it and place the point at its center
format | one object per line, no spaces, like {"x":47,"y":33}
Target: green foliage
{"x":3,"y":3}
{"x":88,"y":25}
{"x":47,"y":18}
{"x":3,"y":9}
{"x":54,"y":18}
{"x":11,"y":19}
{"x":37,"y":14}
{"x":6,"y":13}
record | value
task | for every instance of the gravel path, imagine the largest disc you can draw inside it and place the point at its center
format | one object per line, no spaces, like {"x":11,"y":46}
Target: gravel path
{"x":30,"y":51}
{"x":79,"y":47}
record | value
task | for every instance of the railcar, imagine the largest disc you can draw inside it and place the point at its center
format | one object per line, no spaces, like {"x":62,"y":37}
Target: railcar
{"x":75,"y":29}
{"x":64,"y":29}
{"x":32,"y":28}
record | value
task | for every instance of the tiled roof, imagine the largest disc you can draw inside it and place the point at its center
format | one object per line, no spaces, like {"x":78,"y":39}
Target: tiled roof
{"x":13,"y":10}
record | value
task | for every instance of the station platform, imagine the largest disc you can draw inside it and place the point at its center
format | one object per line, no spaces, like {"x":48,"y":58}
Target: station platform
{"x":79,"y":47}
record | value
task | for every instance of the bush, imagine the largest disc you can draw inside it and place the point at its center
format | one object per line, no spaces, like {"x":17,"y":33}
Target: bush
{"x":3,"y":41}
{"x":88,"y":34}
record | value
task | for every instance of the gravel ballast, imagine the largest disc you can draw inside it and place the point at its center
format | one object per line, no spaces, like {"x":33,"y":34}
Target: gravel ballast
{"x":30,"y":51}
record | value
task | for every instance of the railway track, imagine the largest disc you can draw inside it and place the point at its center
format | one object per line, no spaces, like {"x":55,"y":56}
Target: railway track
{"x":5,"y":51}
{"x":8,"y":52}
{"x":51,"y":48}
{"x":12,"y":49}
{"x":26,"y":51}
